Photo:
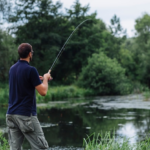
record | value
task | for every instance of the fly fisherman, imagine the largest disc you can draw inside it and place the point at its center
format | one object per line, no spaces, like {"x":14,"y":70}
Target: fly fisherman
{"x":21,"y":117}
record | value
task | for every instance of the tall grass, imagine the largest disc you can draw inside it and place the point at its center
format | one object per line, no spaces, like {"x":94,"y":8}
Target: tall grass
{"x":3,"y":143}
{"x":63,"y":93}
{"x":54,"y":93}
{"x":108,"y":142}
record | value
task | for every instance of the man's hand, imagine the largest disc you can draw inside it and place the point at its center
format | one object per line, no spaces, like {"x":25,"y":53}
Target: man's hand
{"x":41,"y":78}
{"x":47,"y":76}
{"x":43,"y":87}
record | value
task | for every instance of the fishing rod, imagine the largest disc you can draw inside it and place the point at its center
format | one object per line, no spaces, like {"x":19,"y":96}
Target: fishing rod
{"x":60,"y":52}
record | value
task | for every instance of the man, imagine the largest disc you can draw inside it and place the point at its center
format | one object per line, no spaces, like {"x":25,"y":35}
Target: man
{"x":21,"y":117}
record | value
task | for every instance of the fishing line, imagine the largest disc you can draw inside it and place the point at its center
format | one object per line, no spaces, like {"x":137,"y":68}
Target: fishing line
{"x":60,"y":52}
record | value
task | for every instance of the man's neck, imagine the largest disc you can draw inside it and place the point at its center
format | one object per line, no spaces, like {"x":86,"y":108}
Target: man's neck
{"x":25,"y":59}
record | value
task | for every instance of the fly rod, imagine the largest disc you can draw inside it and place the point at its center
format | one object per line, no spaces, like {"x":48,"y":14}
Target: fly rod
{"x":60,"y":52}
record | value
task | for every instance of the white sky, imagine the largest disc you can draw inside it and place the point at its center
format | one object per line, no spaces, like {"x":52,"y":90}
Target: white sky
{"x":127,"y":10}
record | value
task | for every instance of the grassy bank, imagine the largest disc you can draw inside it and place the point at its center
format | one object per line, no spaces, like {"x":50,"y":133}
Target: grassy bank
{"x":99,"y":142}
{"x":108,"y":142}
{"x":146,"y":95}
{"x":63,"y":93}
{"x":53,"y":94}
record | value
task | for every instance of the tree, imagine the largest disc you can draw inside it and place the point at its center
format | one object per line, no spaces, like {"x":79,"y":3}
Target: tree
{"x":116,"y":28}
{"x":114,"y":38}
{"x":105,"y":76}
{"x":85,"y":41}
{"x":47,"y":30}
{"x":127,"y":62}
{"x":142,"y":27}
{"x":141,"y":52}
{"x":5,"y":9}
{"x":42,"y":28}
{"x":8,"y":53}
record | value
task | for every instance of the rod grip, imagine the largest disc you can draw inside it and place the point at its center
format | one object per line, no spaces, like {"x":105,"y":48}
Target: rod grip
{"x":49,"y":71}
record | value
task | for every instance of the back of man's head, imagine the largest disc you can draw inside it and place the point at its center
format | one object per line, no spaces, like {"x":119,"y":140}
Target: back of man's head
{"x":24,"y":49}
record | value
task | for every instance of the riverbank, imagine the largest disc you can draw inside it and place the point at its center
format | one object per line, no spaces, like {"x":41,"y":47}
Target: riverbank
{"x":81,"y":117}
{"x":59,"y":93}
{"x":54,"y":94}
{"x":99,"y":142}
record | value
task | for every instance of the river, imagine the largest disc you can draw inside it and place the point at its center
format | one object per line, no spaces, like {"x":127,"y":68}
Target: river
{"x":66,"y":123}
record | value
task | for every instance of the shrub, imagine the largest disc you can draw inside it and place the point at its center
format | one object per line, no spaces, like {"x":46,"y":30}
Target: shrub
{"x":105,"y":76}
{"x":3,"y":143}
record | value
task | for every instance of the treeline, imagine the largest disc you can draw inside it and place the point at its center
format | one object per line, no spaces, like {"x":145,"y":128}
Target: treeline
{"x":97,"y":57}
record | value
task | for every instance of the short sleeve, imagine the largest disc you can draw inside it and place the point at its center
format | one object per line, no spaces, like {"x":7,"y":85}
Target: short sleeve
{"x":34,"y":77}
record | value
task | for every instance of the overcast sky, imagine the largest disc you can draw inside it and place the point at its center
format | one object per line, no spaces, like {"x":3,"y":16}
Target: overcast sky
{"x":127,"y":10}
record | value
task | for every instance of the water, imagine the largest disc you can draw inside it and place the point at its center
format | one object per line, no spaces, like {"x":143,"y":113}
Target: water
{"x":65,"y":125}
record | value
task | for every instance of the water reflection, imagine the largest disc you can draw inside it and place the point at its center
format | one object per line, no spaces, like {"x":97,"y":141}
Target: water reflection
{"x":129,"y":131}
{"x":65,"y":128}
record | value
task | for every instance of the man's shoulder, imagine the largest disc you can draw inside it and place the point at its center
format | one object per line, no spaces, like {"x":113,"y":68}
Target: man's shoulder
{"x":14,"y":65}
{"x":33,"y":68}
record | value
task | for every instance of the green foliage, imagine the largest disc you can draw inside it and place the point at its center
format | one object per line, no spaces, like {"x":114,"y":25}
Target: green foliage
{"x":47,"y":29}
{"x":126,"y":60}
{"x":3,"y":143}
{"x":4,"y":93}
{"x":8,"y":53}
{"x":5,"y":9}
{"x":142,"y":27}
{"x":54,"y":93}
{"x":43,"y":30}
{"x":146,"y":95}
{"x":113,"y":38}
{"x":108,"y":142}
{"x":104,"y":76}
{"x":85,"y":41}
{"x":116,"y":28}
{"x":63,"y":93}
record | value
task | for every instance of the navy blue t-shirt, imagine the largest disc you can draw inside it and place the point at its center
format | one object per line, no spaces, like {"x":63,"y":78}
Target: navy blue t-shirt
{"x":22,"y":81}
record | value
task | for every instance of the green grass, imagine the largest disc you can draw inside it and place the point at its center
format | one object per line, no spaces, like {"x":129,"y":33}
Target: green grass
{"x":54,"y":93}
{"x":63,"y":93}
{"x":108,"y":142}
{"x":146,"y":95}
{"x":3,"y":143}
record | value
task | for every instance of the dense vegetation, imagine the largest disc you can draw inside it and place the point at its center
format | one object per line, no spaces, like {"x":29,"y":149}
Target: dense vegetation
{"x":3,"y":142}
{"x":99,"y":58}
{"x":107,"y":142}
{"x":53,"y":94}
{"x":104,"y":75}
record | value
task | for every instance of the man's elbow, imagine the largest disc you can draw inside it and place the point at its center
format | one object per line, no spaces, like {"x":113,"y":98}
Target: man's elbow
{"x":43,"y":93}
{"x":42,"y":90}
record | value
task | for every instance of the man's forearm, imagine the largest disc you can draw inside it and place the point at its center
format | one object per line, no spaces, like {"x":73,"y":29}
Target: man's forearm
{"x":45,"y":83}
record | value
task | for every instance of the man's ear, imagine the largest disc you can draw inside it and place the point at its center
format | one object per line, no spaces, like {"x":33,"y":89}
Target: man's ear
{"x":30,"y":54}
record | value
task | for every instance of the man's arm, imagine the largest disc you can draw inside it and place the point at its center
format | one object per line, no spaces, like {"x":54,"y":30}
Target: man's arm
{"x":43,"y":87}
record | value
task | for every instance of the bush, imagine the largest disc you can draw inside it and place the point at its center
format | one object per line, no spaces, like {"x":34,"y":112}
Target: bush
{"x":105,"y":76}
{"x":8,"y":53}
{"x":3,"y":143}
{"x":4,"y":93}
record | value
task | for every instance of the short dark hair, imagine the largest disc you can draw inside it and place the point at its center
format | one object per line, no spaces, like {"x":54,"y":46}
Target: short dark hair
{"x":24,"y":49}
